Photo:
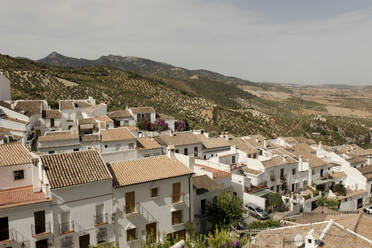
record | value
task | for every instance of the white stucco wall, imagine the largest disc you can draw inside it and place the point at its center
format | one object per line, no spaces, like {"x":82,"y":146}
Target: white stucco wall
{"x":7,"y":176}
{"x":160,"y":208}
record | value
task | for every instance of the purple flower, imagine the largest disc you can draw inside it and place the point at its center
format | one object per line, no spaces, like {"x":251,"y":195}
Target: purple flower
{"x":235,"y":243}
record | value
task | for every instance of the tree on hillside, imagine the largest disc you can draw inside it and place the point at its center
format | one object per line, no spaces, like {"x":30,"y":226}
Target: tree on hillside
{"x":225,"y":209}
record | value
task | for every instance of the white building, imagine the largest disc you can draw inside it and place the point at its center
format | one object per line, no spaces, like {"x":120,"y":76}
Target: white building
{"x":25,"y":210}
{"x":205,"y":189}
{"x":59,"y":142}
{"x":122,"y":118}
{"x":143,"y":113}
{"x":4,"y":88}
{"x":213,"y":146}
{"x":80,"y":188}
{"x":185,"y":143}
{"x":152,"y":197}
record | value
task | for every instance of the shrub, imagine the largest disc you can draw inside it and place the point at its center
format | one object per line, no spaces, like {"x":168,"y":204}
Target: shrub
{"x":339,"y":189}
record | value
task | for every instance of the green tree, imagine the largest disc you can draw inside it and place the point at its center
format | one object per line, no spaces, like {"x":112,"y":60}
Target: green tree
{"x":339,"y":188}
{"x":225,"y":209}
{"x":142,"y":124}
{"x":275,"y":199}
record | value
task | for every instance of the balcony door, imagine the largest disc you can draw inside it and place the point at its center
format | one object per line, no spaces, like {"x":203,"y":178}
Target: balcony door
{"x":176,"y":193}
{"x":4,"y":229}
{"x":151,"y":233}
{"x":130,"y":205}
{"x":39,"y":222}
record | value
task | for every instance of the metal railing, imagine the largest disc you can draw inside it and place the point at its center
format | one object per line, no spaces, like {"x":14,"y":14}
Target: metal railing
{"x":101,"y":219}
{"x":40,"y":229}
{"x":66,"y":227}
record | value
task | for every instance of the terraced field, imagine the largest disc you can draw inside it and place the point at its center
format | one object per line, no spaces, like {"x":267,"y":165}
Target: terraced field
{"x":203,"y":103}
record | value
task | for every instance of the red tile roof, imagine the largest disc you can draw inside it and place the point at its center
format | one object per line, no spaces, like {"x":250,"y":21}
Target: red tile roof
{"x":20,"y":196}
{"x":216,"y":173}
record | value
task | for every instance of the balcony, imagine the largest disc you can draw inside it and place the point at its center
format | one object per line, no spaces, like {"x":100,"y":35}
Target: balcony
{"x":180,"y":198}
{"x":101,"y":219}
{"x":11,"y":235}
{"x":139,"y":209}
{"x":66,"y":227}
{"x":40,"y":230}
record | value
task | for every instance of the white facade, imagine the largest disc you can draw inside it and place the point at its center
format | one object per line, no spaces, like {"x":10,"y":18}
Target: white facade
{"x":151,"y":209}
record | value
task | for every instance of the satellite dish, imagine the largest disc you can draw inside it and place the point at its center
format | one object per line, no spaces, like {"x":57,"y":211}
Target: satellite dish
{"x":298,"y":240}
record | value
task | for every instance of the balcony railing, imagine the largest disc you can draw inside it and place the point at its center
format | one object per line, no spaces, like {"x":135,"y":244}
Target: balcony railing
{"x":101,"y":219}
{"x":11,"y":235}
{"x":40,"y":229}
{"x":66,"y":227}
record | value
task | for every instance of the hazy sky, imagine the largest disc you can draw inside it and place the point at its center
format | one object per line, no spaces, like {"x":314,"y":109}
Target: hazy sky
{"x":298,"y":41}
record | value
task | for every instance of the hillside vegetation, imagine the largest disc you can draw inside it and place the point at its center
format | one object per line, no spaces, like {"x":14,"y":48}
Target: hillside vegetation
{"x":205,"y":103}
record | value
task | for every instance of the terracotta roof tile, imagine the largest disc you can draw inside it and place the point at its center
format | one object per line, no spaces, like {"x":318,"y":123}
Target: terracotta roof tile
{"x":116,"y":134}
{"x":59,"y":136}
{"x":52,"y":114}
{"x":211,"y":143}
{"x":14,"y":154}
{"x":68,"y":169}
{"x":29,"y":107}
{"x":242,"y":145}
{"x":204,"y":184}
{"x":147,"y":170}
{"x":178,"y":139}
{"x":66,"y":105}
{"x":90,"y":138}
{"x":216,"y":173}
{"x":145,"y":143}
{"x":103,"y":118}
{"x":20,"y":196}
{"x":120,"y":114}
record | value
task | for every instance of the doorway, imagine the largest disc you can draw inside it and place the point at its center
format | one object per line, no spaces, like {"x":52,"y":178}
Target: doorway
{"x":84,"y":241}
{"x":151,"y":233}
{"x":39,"y":222}
{"x":130,"y":206}
{"x":4,"y":229}
{"x":41,"y":243}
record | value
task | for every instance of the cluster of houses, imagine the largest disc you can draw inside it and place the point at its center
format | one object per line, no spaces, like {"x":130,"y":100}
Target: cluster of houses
{"x":79,"y":175}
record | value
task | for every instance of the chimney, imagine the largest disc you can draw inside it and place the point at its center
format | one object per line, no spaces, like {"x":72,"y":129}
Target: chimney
{"x":170,"y":151}
{"x":310,"y":240}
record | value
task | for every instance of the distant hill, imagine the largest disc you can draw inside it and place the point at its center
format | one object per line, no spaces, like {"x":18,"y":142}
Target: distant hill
{"x":141,"y":66}
{"x":214,"y":105}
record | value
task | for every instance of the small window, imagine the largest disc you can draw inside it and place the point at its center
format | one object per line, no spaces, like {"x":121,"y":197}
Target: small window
{"x":254,"y":155}
{"x":233,"y":160}
{"x":131,"y":234}
{"x":18,"y":175}
{"x":195,"y":149}
{"x":177,"y":151}
{"x":177,"y":217}
{"x":185,"y":151}
{"x":154,"y":192}
{"x":106,"y":146}
{"x":51,"y":152}
{"x":293,"y":171}
{"x":131,"y":146}
{"x":76,"y":149}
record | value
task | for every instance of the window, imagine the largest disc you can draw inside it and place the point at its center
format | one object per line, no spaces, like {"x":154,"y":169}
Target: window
{"x":177,"y":217}
{"x":154,"y":192}
{"x":51,"y":152}
{"x":313,"y":172}
{"x":130,"y":206}
{"x":185,"y":151}
{"x":131,"y":234}
{"x":117,"y":147}
{"x":233,"y":160}
{"x":106,"y":146}
{"x":76,"y":149}
{"x":203,"y":206}
{"x":254,"y":155}
{"x":19,"y":174}
{"x":131,"y":146}
{"x":293,"y":171}
{"x":177,"y":151}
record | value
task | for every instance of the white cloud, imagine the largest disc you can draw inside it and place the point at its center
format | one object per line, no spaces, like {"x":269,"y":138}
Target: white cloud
{"x":213,"y":34}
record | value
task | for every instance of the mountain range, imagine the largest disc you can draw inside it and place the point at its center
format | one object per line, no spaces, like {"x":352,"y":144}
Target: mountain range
{"x":205,"y":99}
